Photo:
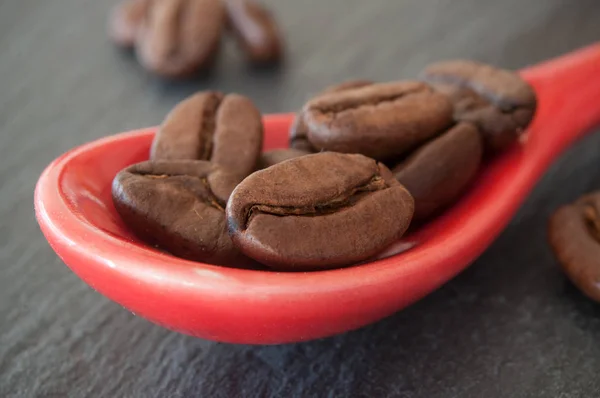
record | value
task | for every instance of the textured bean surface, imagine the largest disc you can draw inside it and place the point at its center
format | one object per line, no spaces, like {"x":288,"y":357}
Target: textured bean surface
{"x":574,"y":233}
{"x":439,"y":171}
{"x":299,"y":131}
{"x":224,"y":129}
{"x":178,"y":206}
{"x":496,"y":100}
{"x":381,"y":121}
{"x":510,"y":326}
{"x":318,"y":211}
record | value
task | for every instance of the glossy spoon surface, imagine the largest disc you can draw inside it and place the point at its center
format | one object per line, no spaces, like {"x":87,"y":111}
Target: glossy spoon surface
{"x":75,"y":212}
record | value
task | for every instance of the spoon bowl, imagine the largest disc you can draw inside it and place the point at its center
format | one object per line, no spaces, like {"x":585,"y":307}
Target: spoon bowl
{"x":75,"y":212}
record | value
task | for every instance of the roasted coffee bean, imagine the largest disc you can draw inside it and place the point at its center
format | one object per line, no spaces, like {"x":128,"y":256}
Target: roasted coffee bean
{"x":318,"y":211}
{"x":299,"y":132}
{"x":177,"y":38}
{"x":256,"y":31}
{"x":125,"y":21}
{"x":224,"y":129}
{"x":574,"y":233}
{"x":499,"y":102}
{"x":440,"y":170}
{"x":178,"y":206}
{"x":382,"y":121}
{"x":275,"y":156}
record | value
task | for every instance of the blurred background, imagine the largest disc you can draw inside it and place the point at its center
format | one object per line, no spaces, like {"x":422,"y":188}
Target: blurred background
{"x":509,"y":326}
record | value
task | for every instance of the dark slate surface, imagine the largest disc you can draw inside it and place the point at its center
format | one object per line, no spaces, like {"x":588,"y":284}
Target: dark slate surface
{"x":510,"y":326}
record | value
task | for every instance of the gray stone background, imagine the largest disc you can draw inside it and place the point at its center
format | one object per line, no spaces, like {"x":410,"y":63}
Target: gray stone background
{"x":509,"y":326}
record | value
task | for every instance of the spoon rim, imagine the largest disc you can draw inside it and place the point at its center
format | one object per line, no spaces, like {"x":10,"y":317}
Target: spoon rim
{"x":321,"y":303}
{"x":52,"y":204}
{"x":269,"y":307}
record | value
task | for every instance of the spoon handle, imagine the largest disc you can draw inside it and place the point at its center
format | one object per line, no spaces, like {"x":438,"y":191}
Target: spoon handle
{"x":568,"y":90}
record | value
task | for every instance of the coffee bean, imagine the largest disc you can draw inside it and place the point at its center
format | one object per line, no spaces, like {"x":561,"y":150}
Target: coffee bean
{"x":499,"y":102}
{"x":125,"y":21}
{"x":382,"y":121}
{"x":574,"y":234}
{"x":318,"y":211}
{"x":224,"y":129}
{"x":440,"y":170}
{"x":179,"y":206}
{"x":255,"y":30}
{"x":299,"y":132}
{"x":177,"y":38}
{"x":275,"y":156}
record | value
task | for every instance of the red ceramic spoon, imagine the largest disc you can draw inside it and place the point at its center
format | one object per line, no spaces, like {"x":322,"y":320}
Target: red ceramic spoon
{"x":75,"y":212}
